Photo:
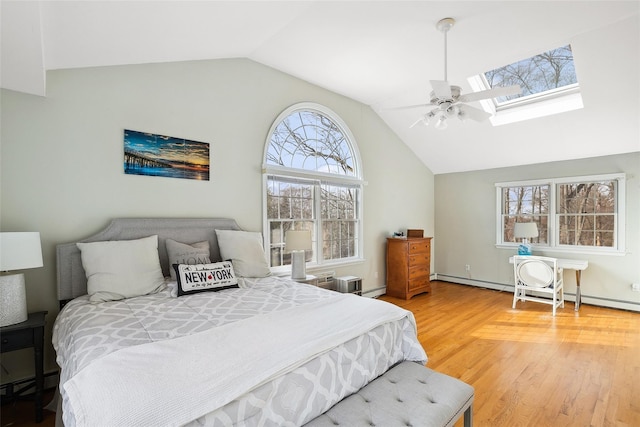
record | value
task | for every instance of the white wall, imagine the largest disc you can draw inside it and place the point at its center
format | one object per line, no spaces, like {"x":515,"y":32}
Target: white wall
{"x":62,"y":165}
{"x":465,"y":230}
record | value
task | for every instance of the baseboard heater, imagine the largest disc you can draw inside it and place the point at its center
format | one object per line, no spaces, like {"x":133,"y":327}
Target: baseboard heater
{"x":568,"y":296}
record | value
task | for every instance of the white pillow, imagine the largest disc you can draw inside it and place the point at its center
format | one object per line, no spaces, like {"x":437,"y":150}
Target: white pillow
{"x":244,"y":249}
{"x":121,"y":269}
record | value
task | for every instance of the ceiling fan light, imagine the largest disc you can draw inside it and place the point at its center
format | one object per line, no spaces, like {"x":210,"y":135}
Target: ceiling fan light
{"x":441,"y":124}
{"x":452,"y":110}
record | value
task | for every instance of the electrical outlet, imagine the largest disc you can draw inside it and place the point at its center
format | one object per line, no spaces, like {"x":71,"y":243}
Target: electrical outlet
{"x":635,"y":287}
{"x":375,"y":275}
{"x":467,"y":267}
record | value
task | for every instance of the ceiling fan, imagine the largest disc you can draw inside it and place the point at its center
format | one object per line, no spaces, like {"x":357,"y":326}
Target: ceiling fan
{"x":448,"y":100}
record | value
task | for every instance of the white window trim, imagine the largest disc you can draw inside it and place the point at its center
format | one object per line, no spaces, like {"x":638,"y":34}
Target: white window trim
{"x":548,"y":103}
{"x":355,"y":180}
{"x":553,"y":225}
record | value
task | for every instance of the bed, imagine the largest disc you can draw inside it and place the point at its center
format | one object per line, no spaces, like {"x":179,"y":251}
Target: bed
{"x":251,"y":349}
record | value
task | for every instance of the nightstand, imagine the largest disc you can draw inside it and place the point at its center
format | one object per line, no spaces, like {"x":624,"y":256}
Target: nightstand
{"x":28,"y":334}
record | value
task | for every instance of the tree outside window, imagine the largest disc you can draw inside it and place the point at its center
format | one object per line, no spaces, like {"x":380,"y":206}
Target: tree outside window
{"x":586,"y":214}
{"x":536,"y":75}
{"x":526,"y":204}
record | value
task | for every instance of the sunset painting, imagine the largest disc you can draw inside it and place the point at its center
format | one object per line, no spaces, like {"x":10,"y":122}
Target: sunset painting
{"x":158,"y":155}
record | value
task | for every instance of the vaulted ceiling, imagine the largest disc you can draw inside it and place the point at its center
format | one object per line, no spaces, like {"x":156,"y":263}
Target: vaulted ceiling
{"x":381,"y":53}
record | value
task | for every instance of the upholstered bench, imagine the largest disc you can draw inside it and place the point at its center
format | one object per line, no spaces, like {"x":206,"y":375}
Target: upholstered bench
{"x":409,"y":394}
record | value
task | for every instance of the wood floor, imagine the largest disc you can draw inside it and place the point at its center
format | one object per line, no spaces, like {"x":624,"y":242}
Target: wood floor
{"x":527,"y":367}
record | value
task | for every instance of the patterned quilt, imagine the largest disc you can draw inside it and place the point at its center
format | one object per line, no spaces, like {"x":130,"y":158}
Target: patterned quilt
{"x":85,"y":332}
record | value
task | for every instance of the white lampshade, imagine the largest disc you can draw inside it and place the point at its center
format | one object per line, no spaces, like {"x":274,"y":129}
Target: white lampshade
{"x":18,"y":251}
{"x":299,"y":240}
{"x":525,"y":230}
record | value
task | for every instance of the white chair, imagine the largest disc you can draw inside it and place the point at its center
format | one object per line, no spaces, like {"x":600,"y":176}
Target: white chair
{"x":535,"y":275}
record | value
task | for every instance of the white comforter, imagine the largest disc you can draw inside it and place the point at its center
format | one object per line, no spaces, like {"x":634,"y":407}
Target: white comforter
{"x":202,"y":375}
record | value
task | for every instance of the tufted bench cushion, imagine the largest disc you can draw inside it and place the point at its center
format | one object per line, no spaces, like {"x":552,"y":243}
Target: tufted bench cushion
{"x":409,"y":394}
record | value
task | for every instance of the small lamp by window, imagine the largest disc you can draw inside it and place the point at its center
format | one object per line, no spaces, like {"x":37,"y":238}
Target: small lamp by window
{"x":297,"y":242}
{"x":18,"y":251}
{"x":525,"y":230}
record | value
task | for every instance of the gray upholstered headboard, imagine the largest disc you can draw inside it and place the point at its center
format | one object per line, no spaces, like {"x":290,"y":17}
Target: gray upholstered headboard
{"x":72,"y":281}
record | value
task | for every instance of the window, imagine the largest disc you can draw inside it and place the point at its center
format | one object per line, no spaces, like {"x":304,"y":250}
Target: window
{"x":586,"y":213}
{"x":573,"y":214}
{"x":526,"y":203}
{"x":312,"y":182}
{"x":549,"y":86}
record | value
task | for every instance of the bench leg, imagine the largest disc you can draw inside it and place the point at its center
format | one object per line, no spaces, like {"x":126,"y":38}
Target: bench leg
{"x":468,"y":416}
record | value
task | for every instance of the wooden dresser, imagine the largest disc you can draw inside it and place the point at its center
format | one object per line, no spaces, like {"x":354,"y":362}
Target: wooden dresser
{"x":408,"y":266}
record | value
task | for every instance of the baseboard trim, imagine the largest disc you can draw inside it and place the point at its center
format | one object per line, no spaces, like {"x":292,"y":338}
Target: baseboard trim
{"x":374,"y":293}
{"x":586,"y":299}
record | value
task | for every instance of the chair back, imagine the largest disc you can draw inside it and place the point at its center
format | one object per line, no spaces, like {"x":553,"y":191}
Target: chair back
{"x":536,"y":272}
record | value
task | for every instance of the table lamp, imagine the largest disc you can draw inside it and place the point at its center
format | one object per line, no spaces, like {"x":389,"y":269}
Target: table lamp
{"x":525,"y":230}
{"x":18,"y":251}
{"x":297,"y":242}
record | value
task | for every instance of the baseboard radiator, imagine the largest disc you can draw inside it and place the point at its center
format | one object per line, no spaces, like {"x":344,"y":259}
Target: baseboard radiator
{"x":586,"y":299}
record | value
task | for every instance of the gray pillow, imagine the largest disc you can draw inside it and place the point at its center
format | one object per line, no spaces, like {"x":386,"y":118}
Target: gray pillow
{"x":183,"y":253}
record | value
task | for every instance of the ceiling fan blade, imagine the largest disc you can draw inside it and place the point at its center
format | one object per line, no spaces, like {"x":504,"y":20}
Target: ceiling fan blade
{"x":490,"y":93}
{"x":420,"y":120}
{"x":408,"y":107}
{"x":441,"y":88}
{"x":473,"y":113}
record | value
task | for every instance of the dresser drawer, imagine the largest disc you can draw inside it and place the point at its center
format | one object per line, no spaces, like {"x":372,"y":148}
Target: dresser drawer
{"x":419,"y":260}
{"x":421,"y":282}
{"x":418,"y":247}
{"x":418,"y":273}
{"x":16,"y":340}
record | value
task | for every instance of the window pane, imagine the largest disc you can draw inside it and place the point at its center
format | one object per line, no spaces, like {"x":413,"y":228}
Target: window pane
{"x":580,"y":209}
{"x":526,"y":204}
{"x":309,"y":140}
{"x":276,"y":256}
{"x":541,"y":223}
{"x":535,"y":75}
{"x":526,"y":200}
{"x":339,"y":215}
{"x":289,"y":207}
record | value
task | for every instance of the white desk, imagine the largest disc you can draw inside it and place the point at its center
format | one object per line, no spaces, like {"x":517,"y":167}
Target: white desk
{"x":571,"y":264}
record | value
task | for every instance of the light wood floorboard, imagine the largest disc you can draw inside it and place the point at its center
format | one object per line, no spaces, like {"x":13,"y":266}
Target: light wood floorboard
{"x":527,"y":367}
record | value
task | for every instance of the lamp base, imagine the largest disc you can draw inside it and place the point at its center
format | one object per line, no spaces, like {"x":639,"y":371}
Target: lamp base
{"x":524,"y":249}
{"x":13,"y":299}
{"x":298,"y":265}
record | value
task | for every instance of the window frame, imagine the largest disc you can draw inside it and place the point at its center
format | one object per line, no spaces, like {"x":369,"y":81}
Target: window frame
{"x":553,"y":222}
{"x":318,"y":179}
{"x":553,"y":101}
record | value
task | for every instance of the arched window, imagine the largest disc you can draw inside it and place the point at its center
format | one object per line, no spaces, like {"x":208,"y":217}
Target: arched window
{"x":312,"y":181}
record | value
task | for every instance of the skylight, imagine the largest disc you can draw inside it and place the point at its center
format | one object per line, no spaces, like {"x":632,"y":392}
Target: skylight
{"x":549,"y":86}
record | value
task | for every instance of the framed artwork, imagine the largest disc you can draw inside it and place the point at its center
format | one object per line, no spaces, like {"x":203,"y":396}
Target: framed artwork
{"x":168,"y":156}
